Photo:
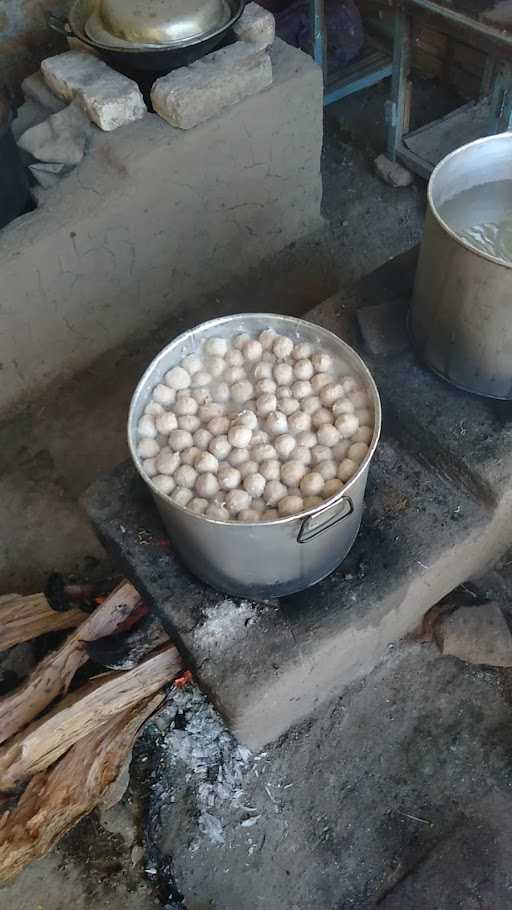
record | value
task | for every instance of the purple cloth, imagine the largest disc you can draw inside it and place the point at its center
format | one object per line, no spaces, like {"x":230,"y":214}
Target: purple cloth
{"x":344,"y":25}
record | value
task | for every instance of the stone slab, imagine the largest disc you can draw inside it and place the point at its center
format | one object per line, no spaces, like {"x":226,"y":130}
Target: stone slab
{"x":109,"y":99}
{"x":477,"y":635}
{"x":383,"y":327}
{"x":34,"y":88}
{"x":61,"y":139}
{"x":192,"y":94}
{"x":256,"y":25}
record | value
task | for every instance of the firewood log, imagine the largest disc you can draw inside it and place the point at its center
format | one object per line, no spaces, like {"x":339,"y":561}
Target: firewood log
{"x":24,"y":618}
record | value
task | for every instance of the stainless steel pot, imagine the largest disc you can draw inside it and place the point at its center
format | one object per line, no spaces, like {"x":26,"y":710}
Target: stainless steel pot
{"x":158,"y":22}
{"x":461,"y":315}
{"x":265,"y":559}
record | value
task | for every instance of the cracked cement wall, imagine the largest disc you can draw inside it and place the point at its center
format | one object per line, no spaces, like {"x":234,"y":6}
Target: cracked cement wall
{"x":153,"y":217}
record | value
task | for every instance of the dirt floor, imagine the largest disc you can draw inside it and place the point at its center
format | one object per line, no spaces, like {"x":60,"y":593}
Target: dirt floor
{"x":355,"y":835}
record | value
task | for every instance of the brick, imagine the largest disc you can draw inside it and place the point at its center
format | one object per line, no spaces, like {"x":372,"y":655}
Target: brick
{"x":34,"y":88}
{"x":109,"y":99}
{"x":195,"y":93}
{"x":256,"y":26}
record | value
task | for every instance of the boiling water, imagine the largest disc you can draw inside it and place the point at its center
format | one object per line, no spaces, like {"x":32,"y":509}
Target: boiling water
{"x":482,"y":216}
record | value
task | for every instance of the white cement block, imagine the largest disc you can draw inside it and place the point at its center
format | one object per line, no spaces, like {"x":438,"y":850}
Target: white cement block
{"x":195,"y":93}
{"x":256,"y":25}
{"x":108,"y":98}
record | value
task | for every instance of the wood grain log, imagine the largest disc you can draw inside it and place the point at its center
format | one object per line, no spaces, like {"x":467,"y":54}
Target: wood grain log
{"x":81,"y":713}
{"x":53,"y":675}
{"x":57,"y":799}
{"x":24,"y":618}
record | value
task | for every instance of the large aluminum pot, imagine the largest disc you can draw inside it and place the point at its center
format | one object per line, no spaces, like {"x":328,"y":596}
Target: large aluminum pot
{"x":461,"y":316}
{"x":265,"y":559}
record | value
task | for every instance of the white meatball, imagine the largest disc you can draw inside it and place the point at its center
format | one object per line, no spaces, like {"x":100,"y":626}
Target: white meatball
{"x":365,"y":417}
{"x":259,"y":438}
{"x":248,"y":515}
{"x":273,"y":492}
{"x":202,"y":378}
{"x":217,"y":511}
{"x":167,"y":461}
{"x":208,"y":411}
{"x":301,"y":389}
{"x":346,"y":469}
{"x":311,"y":484}
{"x":185,"y":406}
{"x":229,"y":477}
{"x":270,"y":469}
{"x":311,"y":502}
{"x":218,"y":426}
{"x":206,"y":463}
{"x":241,"y":391}
{"x":330,"y":393}
{"x":311,"y":404}
{"x":247,"y":419}
{"x":220,"y":447}
{"x":283,"y":374}
{"x":350,"y":384}
{"x":166,"y":423}
{"x":252,"y":351}
{"x":263,"y":370}
{"x":284,"y":445}
{"x":181,"y":496}
{"x":185,"y":476}
{"x":327,"y":468}
{"x":299,"y":422}
{"x":342,"y":406}
{"x":270,"y":515}
{"x":254,"y":484}
{"x":290,"y":505}
{"x":239,"y":436}
{"x":363,"y":434}
{"x":265,"y":404}
{"x":358,"y":451}
{"x":276,"y":423}
{"x":265,"y":387}
{"x":180,"y":439}
{"x":202,"y":394}
{"x":162,"y":394}
{"x":149,"y":467}
{"x":292,"y":472}
{"x":328,"y":435}
{"x":192,"y":364}
{"x":202,"y":438}
{"x":164,"y":483}
{"x":234,"y":358}
{"x":284,"y":391}
{"x":303,"y":369}
{"x":221,"y":392}
{"x":319,"y":381}
{"x":146,"y":427}
{"x":189,"y":456}
{"x":320,"y":453}
{"x":282,"y":347}
{"x":238,"y":457}
{"x":303,"y":454}
{"x":177,"y":378}
{"x":236,"y":500}
{"x":206,"y":486}
{"x":302,"y":351}
{"x":307,"y":439}
{"x":154,"y":409}
{"x":321,"y":417}
{"x":148,"y":448}
{"x":215,"y":347}
{"x":234,"y":374}
{"x":248,"y":467}
{"x":197,"y":505}
{"x":332,"y":487}
{"x":347,"y":425}
{"x":339,"y":451}
{"x":322,"y":362}
{"x":189,"y":422}
{"x":288,"y":406}
{"x":215,"y":366}
{"x":359,"y":399}
{"x":239,"y":341}
{"x":266,"y":339}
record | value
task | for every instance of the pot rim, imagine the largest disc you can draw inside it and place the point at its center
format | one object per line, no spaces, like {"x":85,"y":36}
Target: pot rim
{"x":507,"y":136}
{"x":297,"y":323}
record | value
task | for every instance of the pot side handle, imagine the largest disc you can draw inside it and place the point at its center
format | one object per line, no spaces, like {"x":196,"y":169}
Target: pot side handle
{"x":59,"y":24}
{"x":304,"y":535}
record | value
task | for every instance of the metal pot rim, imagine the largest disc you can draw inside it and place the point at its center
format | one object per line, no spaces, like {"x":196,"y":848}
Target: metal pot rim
{"x":219,"y":321}
{"x":507,"y":136}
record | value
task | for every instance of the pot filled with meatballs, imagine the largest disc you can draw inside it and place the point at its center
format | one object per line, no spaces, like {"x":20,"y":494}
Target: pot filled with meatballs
{"x":254,"y":434}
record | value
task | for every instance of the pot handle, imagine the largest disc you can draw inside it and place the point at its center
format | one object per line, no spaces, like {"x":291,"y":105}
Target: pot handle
{"x":59,"y":24}
{"x":306,"y":532}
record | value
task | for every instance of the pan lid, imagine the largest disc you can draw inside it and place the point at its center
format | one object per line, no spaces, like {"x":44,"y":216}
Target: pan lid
{"x":163,"y":23}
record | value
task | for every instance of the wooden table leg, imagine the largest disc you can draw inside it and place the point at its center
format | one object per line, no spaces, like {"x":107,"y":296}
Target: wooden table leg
{"x":319,"y":36}
{"x":398,"y":106}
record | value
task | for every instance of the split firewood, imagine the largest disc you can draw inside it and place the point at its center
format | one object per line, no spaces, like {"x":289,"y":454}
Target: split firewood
{"x":80,"y":713}
{"x":57,"y":799}
{"x":24,"y":618}
{"x":53,"y":675}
